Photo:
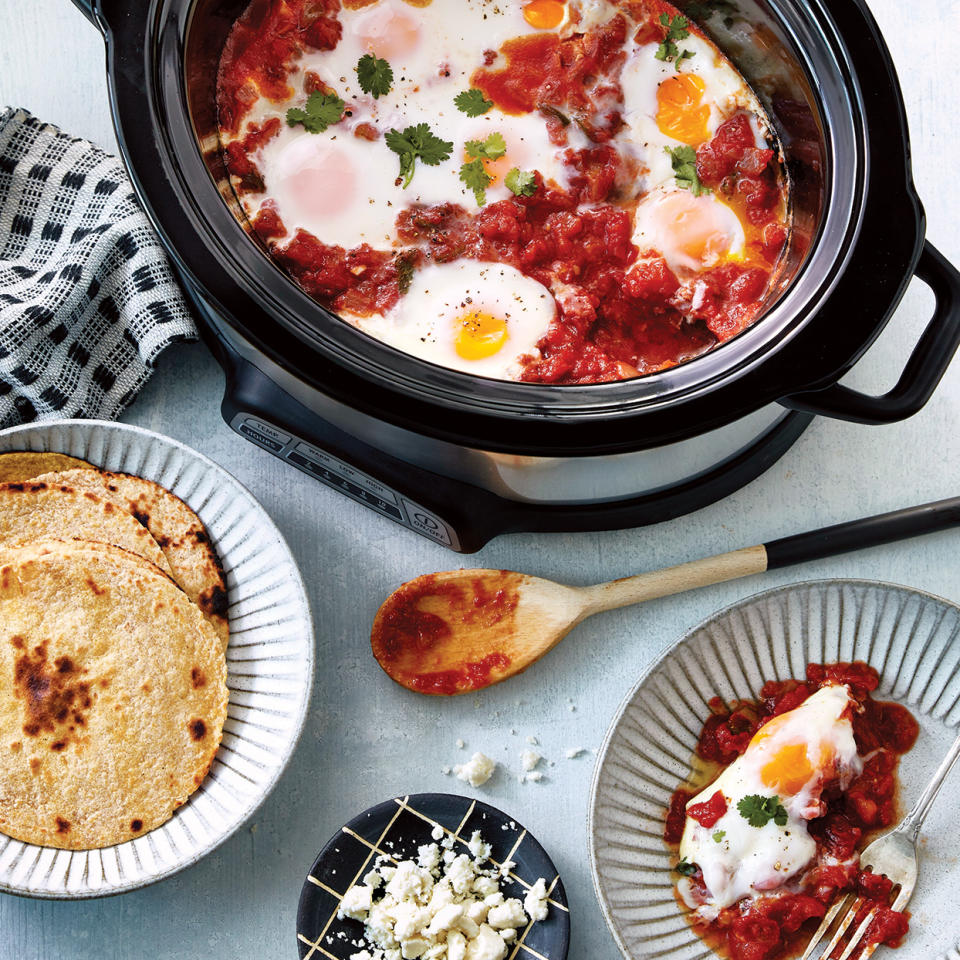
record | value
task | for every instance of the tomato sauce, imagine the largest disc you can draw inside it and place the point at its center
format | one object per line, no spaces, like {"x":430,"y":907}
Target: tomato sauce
{"x":779,"y":924}
{"x":621,"y":311}
{"x":411,"y":633}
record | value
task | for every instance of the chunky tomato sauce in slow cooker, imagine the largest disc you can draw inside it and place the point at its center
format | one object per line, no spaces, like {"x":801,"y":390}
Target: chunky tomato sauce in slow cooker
{"x":780,"y":922}
{"x":621,"y":309}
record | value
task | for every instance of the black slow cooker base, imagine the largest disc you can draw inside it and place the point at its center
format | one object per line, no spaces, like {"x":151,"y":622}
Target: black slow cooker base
{"x":455,"y":514}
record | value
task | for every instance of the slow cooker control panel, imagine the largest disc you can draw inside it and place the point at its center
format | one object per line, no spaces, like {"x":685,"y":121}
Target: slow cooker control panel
{"x":345,"y":479}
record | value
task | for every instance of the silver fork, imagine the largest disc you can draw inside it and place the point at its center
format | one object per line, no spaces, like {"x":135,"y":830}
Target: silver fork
{"x":895,"y":855}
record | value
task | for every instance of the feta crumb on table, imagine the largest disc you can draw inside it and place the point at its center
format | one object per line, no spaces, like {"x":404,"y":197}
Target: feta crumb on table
{"x":574,"y":752}
{"x":529,"y":759}
{"x":476,"y":771}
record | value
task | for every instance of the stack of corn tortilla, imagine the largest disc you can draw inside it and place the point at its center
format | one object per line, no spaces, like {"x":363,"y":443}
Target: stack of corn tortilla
{"x":113,"y":637}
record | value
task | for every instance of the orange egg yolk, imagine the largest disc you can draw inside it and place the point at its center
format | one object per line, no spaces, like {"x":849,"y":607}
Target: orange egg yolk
{"x":388,"y":33}
{"x":789,"y":770}
{"x":479,"y":335}
{"x":680,"y":113}
{"x":544,"y":14}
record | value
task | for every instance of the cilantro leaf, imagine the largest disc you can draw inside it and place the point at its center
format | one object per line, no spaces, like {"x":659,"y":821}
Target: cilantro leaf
{"x":684,"y":161}
{"x":322,"y":110}
{"x":375,"y":75}
{"x":521,"y":183}
{"x":475,"y":176}
{"x":685,"y":868}
{"x":493,"y":148}
{"x":759,"y":811}
{"x":676,"y":30}
{"x":405,"y":266}
{"x":415,"y":143}
{"x":685,"y":55}
{"x":719,"y":835}
{"x":472,"y":102}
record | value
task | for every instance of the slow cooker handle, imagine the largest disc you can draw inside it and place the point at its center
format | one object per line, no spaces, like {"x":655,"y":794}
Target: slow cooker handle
{"x":924,"y":369}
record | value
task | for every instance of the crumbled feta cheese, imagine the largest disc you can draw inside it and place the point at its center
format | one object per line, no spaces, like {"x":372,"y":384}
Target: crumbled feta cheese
{"x":479,"y":849}
{"x":460,"y":744}
{"x":486,"y":945}
{"x":476,"y":771}
{"x":507,"y":914}
{"x":533,"y":741}
{"x":535,"y":775}
{"x":574,"y":752}
{"x":437,"y":832}
{"x":440,"y":907}
{"x":506,"y":867}
{"x":456,"y":945}
{"x":529,"y":759}
{"x":428,"y":856}
{"x":356,"y":903}
{"x":535,"y":902}
{"x":446,"y":771}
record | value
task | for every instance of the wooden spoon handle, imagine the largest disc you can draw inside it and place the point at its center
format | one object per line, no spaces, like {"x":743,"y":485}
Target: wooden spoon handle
{"x":812,"y":545}
{"x":670,"y":580}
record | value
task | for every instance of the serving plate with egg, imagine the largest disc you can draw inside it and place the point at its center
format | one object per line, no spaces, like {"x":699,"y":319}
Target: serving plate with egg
{"x":751,"y":833}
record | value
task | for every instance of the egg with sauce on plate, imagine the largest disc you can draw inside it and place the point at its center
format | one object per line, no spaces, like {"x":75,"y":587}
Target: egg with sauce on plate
{"x":747,"y":831}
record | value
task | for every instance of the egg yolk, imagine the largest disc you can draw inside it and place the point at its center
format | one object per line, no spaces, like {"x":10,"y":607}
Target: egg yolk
{"x":789,"y":770}
{"x":680,"y":113}
{"x":479,"y":335}
{"x":316,"y":177}
{"x":544,"y":14}
{"x":388,"y":33}
{"x":701,"y":227}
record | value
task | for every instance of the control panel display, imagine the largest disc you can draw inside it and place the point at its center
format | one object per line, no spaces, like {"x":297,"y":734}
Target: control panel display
{"x":346,"y":479}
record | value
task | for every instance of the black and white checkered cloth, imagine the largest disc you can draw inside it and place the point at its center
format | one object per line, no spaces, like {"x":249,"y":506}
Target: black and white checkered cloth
{"x":87,"y":297}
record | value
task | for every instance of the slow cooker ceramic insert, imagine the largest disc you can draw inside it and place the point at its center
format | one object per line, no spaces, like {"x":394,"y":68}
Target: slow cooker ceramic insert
{"x":460,"y":458}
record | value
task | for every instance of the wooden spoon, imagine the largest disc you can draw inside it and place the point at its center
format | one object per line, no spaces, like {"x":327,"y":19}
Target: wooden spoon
{"x":462,"y":630}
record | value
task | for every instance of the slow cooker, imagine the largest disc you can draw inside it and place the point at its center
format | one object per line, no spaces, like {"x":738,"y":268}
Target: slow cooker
{"x":461,"y":459}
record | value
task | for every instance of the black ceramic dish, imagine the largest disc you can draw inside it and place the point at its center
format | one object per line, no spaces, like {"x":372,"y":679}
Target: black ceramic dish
{"x":486,"y":456}
{"x":397,"y":827}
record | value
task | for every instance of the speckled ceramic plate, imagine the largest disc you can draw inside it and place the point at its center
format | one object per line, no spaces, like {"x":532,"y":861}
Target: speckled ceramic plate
{"x":911,"y":638}
{"x":395,"y":828}
{"x":269,"y":666}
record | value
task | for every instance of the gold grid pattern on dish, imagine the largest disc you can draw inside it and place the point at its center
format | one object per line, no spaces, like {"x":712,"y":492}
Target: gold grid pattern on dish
{"x":376,"y":848}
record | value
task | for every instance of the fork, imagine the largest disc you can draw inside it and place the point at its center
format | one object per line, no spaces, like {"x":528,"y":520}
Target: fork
{"x":894,"y":855}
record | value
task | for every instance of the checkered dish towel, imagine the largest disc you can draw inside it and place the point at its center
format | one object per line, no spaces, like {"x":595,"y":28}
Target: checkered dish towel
{"x":87,"y":297}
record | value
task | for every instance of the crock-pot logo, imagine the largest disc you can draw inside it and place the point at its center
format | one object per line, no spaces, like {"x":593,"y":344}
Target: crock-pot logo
{"x":426,"y":521}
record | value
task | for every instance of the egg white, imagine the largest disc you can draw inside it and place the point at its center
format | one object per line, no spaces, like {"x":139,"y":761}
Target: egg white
{"x":425,"y":321}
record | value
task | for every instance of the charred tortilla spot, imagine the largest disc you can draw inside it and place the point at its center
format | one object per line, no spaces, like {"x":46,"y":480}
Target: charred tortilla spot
{"x":63,"y":826}
{"x":198,"y":729}
{"x":141,"y":516}
{"x":213,"y":602}
{"x":18,"y":642}
{"x":35,"y":765}
{"x":136,"y":825}
{"x":92,"y":584}
{"x":16,"y":487}
{"x":58,"y":745}
{"x":5,"y":578}
{"x":162,"y":541}
{"x":200,"y":536}
{"x":197,"y":678}
{"x":52,"y":694}
{"x":89,"y":496}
